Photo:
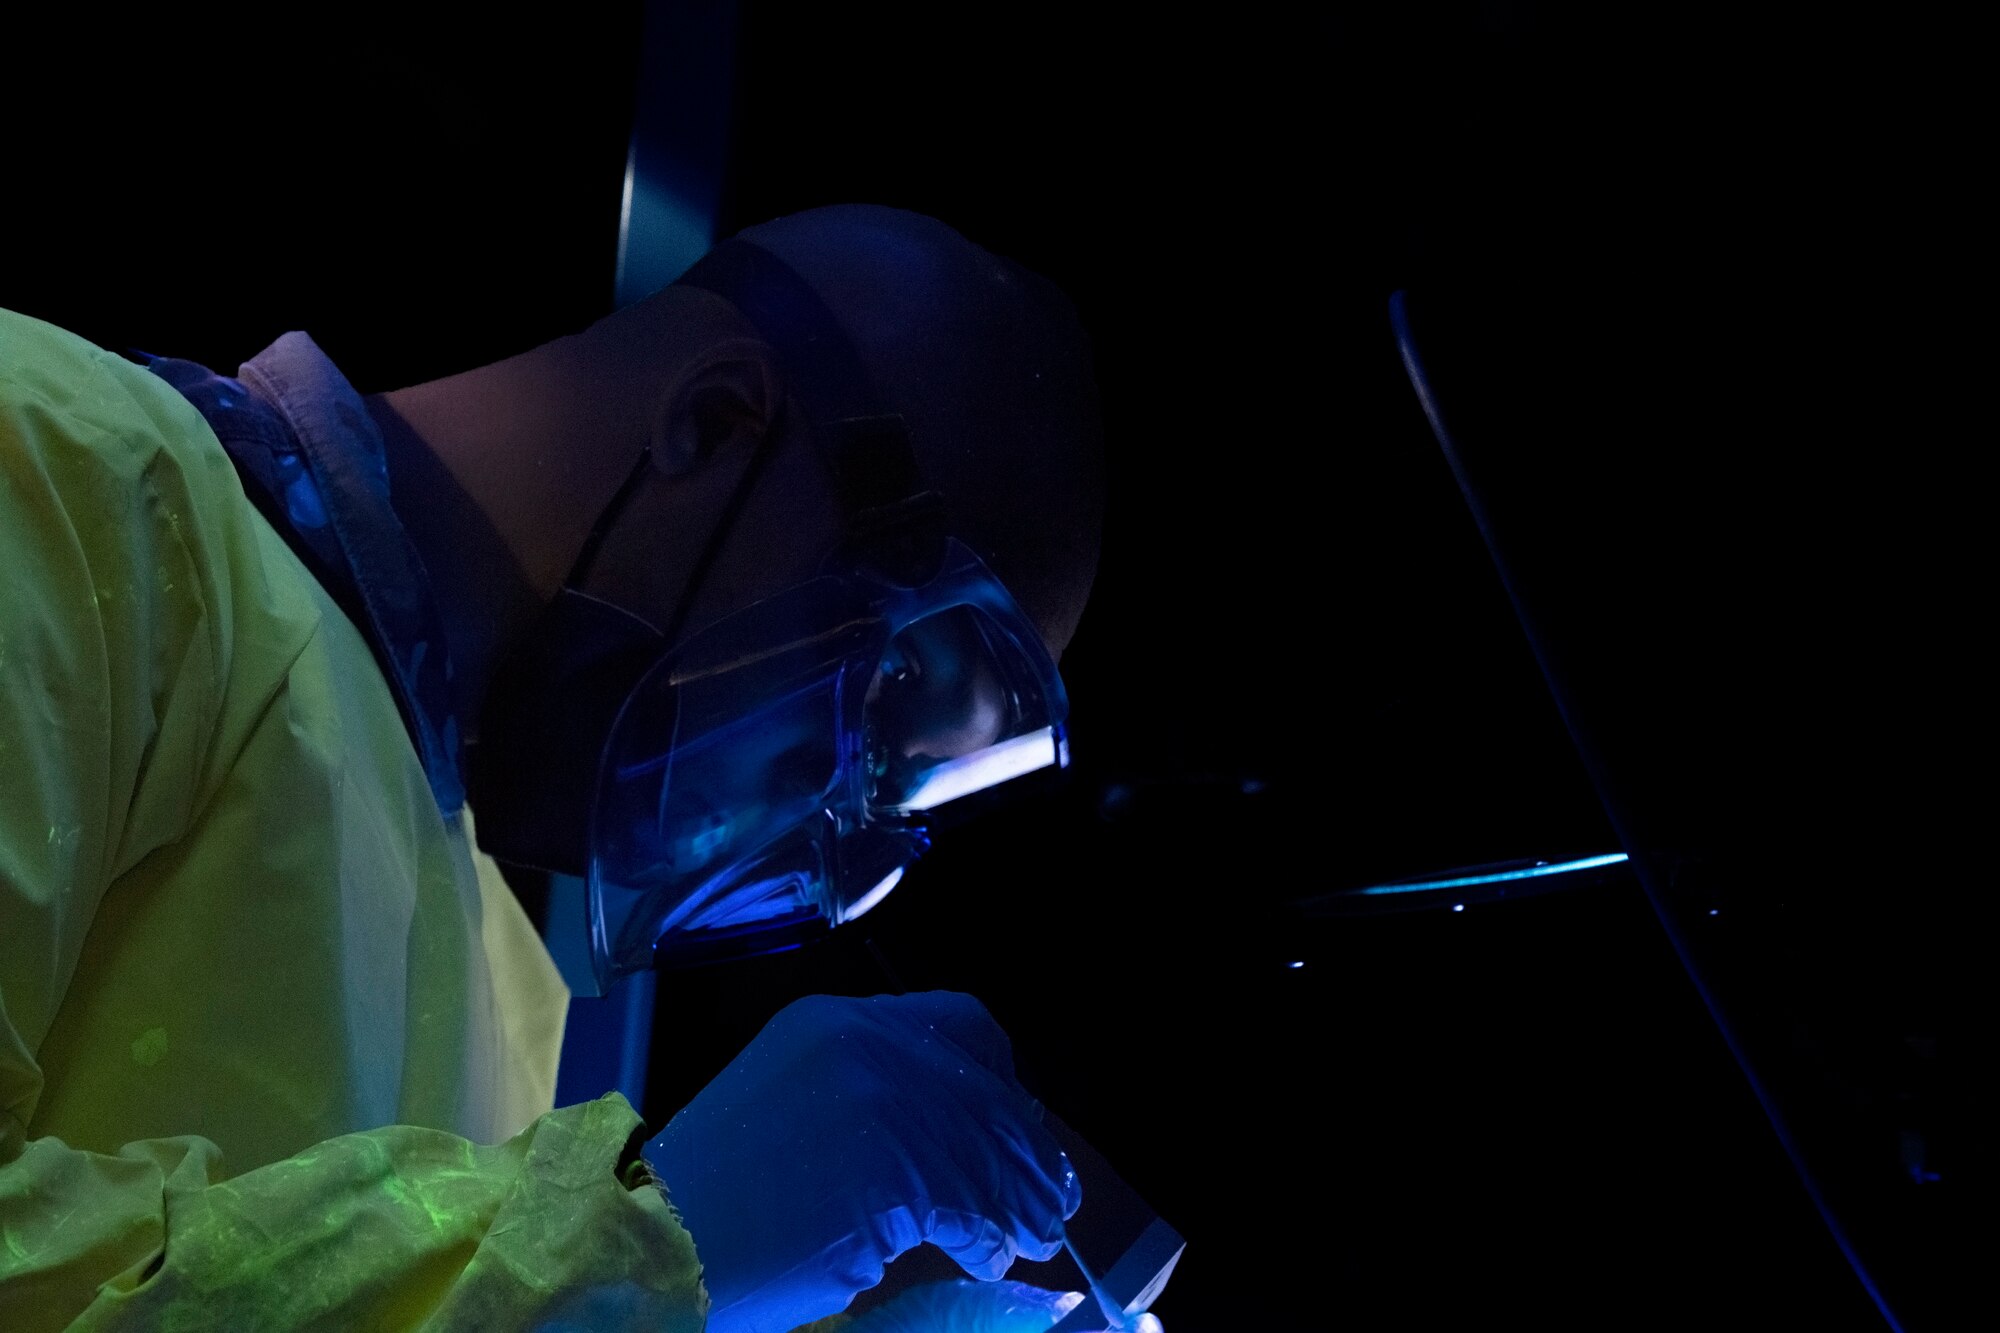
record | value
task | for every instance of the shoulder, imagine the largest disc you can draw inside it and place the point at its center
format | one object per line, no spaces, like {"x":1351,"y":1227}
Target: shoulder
{"x":143,"y":600}
{"x":57,"y":391}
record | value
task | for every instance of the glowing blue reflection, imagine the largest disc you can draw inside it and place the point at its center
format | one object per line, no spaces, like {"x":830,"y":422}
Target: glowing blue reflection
{"x":984,"y":768}
{"x":874,"y":895}
{"x":1540,"y":871}
{"x":1300,"y":963}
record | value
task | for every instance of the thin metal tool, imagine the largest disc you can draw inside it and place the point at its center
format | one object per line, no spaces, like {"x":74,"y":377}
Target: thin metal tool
{"x":1125,"y":1249}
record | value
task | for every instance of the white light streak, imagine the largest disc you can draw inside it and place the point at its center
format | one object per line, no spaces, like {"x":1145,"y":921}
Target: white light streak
{"x":873,"y":896}
{"x":982,"y":769}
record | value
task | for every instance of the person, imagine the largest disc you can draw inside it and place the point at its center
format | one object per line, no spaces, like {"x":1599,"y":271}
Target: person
{"x":277,"y":1043}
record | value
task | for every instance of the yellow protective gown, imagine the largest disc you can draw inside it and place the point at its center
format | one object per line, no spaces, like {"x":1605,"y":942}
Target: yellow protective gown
{"x":277,"y":1044}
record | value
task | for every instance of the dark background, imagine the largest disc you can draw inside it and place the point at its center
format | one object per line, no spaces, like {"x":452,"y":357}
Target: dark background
{"x":1300,"y":671}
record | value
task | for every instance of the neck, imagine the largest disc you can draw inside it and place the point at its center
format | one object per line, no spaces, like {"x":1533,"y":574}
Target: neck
{"x":484,"y":595}
{"x":499,"y":472}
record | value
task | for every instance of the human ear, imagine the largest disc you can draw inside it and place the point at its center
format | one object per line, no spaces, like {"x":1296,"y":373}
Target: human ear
{"x":726,"y":400}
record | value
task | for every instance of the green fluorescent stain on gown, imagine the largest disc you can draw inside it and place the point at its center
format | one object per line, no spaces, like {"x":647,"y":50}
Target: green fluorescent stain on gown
{"x":150,"y":1048}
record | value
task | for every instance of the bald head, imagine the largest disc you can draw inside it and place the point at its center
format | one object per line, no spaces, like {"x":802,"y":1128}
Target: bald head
{"x":990,"y":369}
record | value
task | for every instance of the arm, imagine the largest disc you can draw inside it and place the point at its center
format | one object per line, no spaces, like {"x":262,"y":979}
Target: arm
{"x":393,"y":1228}
{"x":129,"y":570}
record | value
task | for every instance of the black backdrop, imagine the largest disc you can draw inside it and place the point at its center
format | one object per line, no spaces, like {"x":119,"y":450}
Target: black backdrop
{"x":1299,"y":671}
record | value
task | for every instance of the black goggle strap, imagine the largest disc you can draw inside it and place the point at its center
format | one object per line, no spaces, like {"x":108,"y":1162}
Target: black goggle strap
{"x":895,"y":523}
{"x":585,"y":558}
{"x":738,"y":495}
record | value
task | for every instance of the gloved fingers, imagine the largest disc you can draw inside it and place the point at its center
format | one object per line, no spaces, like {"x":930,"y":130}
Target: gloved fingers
{"x":1033,"y":1189}
{"x":1056,"y":1191}
{"x":979,"y":1246}
{"x":986,"y":1160}
{"x":997,"y":1185}
{"x":970,"y":1307}
{"x":887,"y":1232}
{"x":1008,"y":1168}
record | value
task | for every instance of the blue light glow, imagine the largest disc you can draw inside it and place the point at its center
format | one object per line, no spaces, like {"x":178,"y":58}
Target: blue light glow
{"x":985,"y":768}
{"x":1458,"y":907}
{"x":874,"y":895}
{"x":1499,"y":877}
{"x":1300,"y":963}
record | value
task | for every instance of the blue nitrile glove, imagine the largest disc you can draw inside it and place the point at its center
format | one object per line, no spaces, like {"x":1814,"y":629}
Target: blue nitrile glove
{"x":851,"y":1131}
{"x":970,"y":1307}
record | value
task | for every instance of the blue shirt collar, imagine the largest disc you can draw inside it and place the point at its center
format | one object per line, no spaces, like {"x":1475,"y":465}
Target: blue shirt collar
{"x":312,"y":461}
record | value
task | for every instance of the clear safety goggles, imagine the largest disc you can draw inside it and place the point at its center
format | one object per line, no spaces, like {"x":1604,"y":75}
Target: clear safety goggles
{"x":770,"y":778}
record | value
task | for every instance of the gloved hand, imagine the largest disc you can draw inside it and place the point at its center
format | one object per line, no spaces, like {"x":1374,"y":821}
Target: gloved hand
{"x":847,"y":1133}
